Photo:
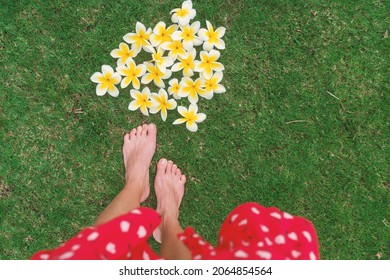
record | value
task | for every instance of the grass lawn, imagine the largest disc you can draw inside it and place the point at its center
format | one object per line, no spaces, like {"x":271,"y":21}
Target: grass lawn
{"x":303,"y":125}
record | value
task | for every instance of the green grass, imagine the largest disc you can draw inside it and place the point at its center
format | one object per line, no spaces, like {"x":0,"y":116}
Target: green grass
{"x":279,"y":136}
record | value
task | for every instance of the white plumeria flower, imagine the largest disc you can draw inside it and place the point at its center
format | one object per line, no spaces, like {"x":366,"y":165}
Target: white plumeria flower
{"x":131,"y":72}
{"x":187,"y":63}
{"x":175,"y":49}
{"x":191,"y":89}
{"x":106,"y":81}
{"x":156,"y":75}
{"x":158,"y":57}
{"x":190,"y":116}
{"x":160,"y":102}
{"x":209,"y":63}
{"x":174,"y":88}
{"x":212,"y":85}
{"x":183,"y":15}
{"x":161,"y":34}
{"x":141,"y":100}
{"x":188,"y":35}
{"x":212,"y":38}
{"x":123,"y":53}
{"x":140,"y":38}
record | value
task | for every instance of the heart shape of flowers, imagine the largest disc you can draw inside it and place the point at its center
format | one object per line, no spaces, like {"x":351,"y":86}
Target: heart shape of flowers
{"x":172,"y":55}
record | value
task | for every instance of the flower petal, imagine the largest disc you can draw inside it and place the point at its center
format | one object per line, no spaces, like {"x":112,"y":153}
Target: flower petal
{"x":192,"y":126}
{"x":201,"y":117}
{"x":179,"y":121}
{"x":95,"y":77}
{"x":147,"y":78}
{"x":182,"y":110}
{"x":101,"y":90}
{"x":107,"y":69}
{"x":134,"y":105}
{"x":113,"y":91}
{"x":220,"y":89}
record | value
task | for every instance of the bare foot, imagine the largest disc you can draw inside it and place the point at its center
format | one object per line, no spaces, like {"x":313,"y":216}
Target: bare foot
{"x":138,"y":150}
{"x":169,"y":185}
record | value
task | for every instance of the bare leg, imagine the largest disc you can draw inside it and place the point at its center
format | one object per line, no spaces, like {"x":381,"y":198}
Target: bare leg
{"x":138,"y":149}
{"x":169,"y":185}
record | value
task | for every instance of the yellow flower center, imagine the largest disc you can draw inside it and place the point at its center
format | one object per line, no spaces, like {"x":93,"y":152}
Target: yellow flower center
{"x":182,"y":12}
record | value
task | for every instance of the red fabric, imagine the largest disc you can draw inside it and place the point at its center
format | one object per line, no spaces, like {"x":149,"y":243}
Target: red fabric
{"x":250,"y":231}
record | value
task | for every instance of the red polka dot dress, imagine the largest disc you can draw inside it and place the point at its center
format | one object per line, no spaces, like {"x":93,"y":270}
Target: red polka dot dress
{"x":250,"y":231}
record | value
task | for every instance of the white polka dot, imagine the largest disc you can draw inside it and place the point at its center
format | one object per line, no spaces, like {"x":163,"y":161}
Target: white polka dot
{"x":312,"y":256}
{"x":128,"y":255}
{"x":264,"y":228}
{"x":276,"y":215}
{"x":295,"y":253}
{"x":44,"y":256}
{"x":213,"y":253}
{"x":255,"y":210}
{"x":198,"y":257}
{"x":234,"y":217}
{"x":260,"y":244}
{"x":93,"y":236}
{"x":75,"y":247}
{"x":240,"y":254}
{"x":66,"y":256}
{"x":287,"y":215}
{"x":195,"y":235}
{"x":201,"y":242}
{"x":280,"y":239}
{"x":182,"y":238}
{"x":243,"y":222}
{"x":293,"y":236}
{"x":244,"y":243}
{"x":211,"y":247}
{"x":141,"y":232}
{"x":268,"y":241}
{"x":110,"y":247}
{"x":136,"y":211}
{"x":231,"y":245}
{"x":79,"y":235}
{"x":264,"y":254}
{"x":307,"y":235}
{"x":221,"y":240}
{"x":125,"y":226}
{"x":145,"y":256}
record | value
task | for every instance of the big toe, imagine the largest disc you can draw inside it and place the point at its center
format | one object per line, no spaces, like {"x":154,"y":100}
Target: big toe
{"x":162,"y":166}
{"x":152,"y":130}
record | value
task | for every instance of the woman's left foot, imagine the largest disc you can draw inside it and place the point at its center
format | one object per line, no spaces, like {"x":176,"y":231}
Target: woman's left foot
{"x":138,"y":150}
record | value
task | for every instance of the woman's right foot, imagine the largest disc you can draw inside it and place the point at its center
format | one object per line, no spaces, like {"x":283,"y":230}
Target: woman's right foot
{"x":169,"y":186}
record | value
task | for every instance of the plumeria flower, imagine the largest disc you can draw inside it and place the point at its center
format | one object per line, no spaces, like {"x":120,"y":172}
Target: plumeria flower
{"x":158,"y":57}
{"x":209,"y":63}
{"x":156,"y":75}
{"x":123,"y":53}
{"x":161,"y":103}
{"x":183,"y":15}
{"x":212,"y":38}
{"x":161,"y":34}
{"x":187,"y":34}
{"x":106,"y":81}
{"x":190,"y":116}
{"x":212,"y":85}
{"x":190,"y":88}
{"x":175,"y":49}
{"x":187,"y":63}
{"x":141,"y":100}
{"x":174,"y":88}
{"x":140,"y":38}
{"x":131,"y":72}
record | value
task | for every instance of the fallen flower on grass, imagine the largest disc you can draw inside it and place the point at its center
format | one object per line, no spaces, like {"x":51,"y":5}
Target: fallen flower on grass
{"x":131,"y":72}
{"x":160,"y":102}
{"x":190,"y":116}
{"x":141,"y":100}
{"x":106,"y":81}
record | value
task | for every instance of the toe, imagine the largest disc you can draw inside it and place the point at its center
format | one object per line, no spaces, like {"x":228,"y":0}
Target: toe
{"x":183,"y":179}
{"x":162,"y":165}
{"x":133,"y":133}
{"x":178,"y":173}
{"x":152,"y":129}
{"x":126,"y":137}
{"x":174,"y":169}
{"x":169,"y":167}
{"x":139,"y":130}
{"x":144,"y":129}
